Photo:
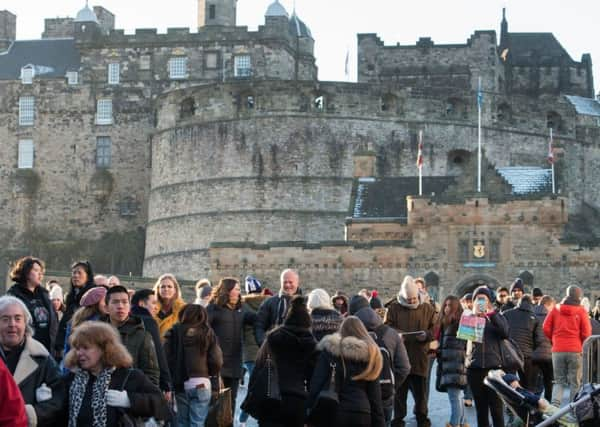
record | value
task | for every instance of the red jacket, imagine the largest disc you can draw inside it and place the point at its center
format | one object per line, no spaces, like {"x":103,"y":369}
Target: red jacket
{"x":12,"y":407}
{"x":567,"y":326}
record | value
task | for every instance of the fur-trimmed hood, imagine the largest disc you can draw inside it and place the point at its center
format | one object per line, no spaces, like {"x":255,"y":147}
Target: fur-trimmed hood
{"x":254,"y":300}
{"x":350,"y":348}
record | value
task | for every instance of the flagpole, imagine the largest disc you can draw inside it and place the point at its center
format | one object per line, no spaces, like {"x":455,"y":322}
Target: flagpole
{"x":421,"y":165}
{"x":479,"y":136}
{"x":552,"y":148}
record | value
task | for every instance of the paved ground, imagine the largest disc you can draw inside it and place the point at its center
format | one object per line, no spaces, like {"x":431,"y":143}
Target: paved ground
{"x":439,"y":409}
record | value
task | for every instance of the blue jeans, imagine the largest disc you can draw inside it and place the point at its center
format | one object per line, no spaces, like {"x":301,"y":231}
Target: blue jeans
{"x":457,"y":410}
{"x":192,"y":407}
{"x":249,"y":367}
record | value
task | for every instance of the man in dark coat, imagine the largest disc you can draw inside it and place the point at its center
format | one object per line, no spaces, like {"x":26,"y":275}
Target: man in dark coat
{"x":28,"y":274}
{"x":542,"y":355}
{"x":517,"y":289}
{"x":526,"y":330}
{"x":134,"y":336}
{"x":143,"y":303}
{"x":272,"y":311}
{"x":407,"y":314}
{"x":33,"y":368}
{"x":360,"y":308}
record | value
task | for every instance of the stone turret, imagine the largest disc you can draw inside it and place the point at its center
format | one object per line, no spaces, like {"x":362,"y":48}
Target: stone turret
{"x":217,"y":12}
{"x":8,"y":29}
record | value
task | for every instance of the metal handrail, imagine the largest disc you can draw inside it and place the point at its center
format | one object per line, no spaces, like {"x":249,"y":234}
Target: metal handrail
{"x":591,"y":360}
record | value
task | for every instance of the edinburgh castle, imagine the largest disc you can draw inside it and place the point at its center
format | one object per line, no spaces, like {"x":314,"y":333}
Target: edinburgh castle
{"x":219,"y":152}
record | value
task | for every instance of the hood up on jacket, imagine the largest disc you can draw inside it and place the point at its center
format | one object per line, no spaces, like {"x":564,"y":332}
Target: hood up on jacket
{"x":369,"y":318}
{"x":351,"y":348}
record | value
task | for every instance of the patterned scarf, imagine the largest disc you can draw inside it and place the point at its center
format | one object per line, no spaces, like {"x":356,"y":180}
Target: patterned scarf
{"x":77,"y":392}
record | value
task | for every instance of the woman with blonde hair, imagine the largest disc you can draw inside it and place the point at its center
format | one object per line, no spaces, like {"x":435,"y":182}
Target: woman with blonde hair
{"x":102,"y":385}
{"x":170,"y":302}
{"x":355,"y":362}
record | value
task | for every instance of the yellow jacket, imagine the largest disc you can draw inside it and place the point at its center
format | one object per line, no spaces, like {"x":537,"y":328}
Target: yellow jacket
{"x":167,"y":323}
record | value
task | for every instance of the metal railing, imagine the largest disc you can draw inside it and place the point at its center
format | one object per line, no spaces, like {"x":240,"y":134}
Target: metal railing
{"x":591,"y":360}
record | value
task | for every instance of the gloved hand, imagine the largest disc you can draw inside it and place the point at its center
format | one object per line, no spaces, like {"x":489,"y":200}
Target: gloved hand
{"x":43,"y":393}
{"x":118,"y":399}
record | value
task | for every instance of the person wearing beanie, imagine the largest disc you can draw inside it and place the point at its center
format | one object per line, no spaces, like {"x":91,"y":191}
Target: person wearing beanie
{"x":485,"y":356}
{"x":56,"y":298}
{"x":517,"y":289}
{"x":408,"y":315}
{"x":292,"y":346}
{"x":325,"y":320}
{"x":273,"y":310}
{"x":356,"y":303}
{"x":567,"y":326}
{"x":251,"y":302}
{"x":537,"y":295}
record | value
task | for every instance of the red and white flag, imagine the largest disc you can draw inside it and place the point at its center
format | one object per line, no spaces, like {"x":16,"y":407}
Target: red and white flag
{"x":550,"y":152}
{"x":420,"y":154}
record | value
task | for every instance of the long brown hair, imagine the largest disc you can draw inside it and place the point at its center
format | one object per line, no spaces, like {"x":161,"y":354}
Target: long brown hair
{"x":455,"y":312}
{"x":220,"y":293}
{"x":194,"y":323}
{"x":353,"y":327}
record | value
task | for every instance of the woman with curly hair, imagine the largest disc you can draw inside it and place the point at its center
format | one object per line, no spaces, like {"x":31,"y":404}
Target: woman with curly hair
{"x":170,"y":302}
{"x":355,"y":362}
{"x":102,"y":385}
{"x":227,"y":318}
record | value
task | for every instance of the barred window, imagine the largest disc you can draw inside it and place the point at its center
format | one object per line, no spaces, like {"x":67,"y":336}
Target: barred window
{"x":145,"y":61}
{"x":113,"y":73}
{"x":26,"y":110}
{"x":103,"y":151}
{"x":25,"y":160}
{"x":104,"y":112}
{"x":178,"y":68}
{"x":72,"y":77}
{"x":27,"y":75}
{"x":243,"y":66}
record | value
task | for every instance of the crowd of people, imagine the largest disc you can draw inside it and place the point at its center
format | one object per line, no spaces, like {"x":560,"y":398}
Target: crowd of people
{"x":104,"y":354}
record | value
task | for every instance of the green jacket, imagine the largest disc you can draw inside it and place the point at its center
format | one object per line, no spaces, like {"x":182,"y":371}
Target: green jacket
{"x":251,"y":303}
{"x":139,"y":343}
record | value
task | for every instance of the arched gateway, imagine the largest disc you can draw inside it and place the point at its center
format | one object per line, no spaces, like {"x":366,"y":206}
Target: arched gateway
{"x":469,"y":283}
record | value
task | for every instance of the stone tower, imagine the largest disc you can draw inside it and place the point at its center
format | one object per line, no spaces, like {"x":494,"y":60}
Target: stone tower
{"x":8,"y":29}
{"x":216,"y":12}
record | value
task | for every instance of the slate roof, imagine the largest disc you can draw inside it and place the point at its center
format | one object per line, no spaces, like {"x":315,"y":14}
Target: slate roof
{"x":523,"y":47}
{"x":386,"y":197}
{"x":276,"y":9}
{"x":51,"y":58}
{"x":527,"y":180}
{"x":586,"y":106}
{"x":298,"y":28}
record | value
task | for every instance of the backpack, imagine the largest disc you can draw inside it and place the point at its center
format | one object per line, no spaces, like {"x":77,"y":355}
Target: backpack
{"x":386,"y":377}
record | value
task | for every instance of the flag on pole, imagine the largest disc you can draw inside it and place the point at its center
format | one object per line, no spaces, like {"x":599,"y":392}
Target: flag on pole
{"x":550,"y":151}
{"x":420,"y":153}
{"x":346,"y":65}
{"x":479,"y":96}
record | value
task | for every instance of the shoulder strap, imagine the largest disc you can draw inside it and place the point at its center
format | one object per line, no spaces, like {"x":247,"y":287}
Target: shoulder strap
{"x":126,"y":378}
{"x":380,"y":330}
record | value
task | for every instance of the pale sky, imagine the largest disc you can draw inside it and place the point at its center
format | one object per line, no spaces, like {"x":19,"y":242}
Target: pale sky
{"x":335,"y":23}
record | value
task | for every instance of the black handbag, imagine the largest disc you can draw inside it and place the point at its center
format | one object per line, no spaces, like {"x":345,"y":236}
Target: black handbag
{"x":263,"y":394}
{"x":512,"y":357}
{"x":325,"y":407}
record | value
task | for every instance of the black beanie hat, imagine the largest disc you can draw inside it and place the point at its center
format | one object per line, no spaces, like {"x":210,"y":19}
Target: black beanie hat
{"x":517,"y":284}
{"x":356,"y":303}
{"x":537,"y":292}
{"x":483,"y":290}
{"x":298,"y":314}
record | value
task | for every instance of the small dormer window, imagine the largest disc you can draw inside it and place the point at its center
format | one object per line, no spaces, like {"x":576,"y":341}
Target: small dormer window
{"x":113,"y":73}
{"x":27,"y":75}
{"x":72,"y":78}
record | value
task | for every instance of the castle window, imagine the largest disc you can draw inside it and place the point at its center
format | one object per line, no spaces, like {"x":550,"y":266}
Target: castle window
{"x":27,"y":74}
{"x":463,"y":251}
{"x":242,"y":66}
{"x":212,"y":11}
{"x":554,"y":121}
{"x":25,"y":160}
{"x":113,"y":73}
{"x":504,"y":113}
{"x":250,"y":102}
{"x":388,"y":103}
{"x":178,"y":68}
{"x":211,"y":60}
{"x":26,"y":110}
{"x":187,"y":108}
{"x":145,"y":62}
{"x":128,"y":206}
{"x":319,"y":103}
{"x":103,"y":151}
{"x":495,"y":250}
{"x":72,"y":78}
{"x":104,"y":112}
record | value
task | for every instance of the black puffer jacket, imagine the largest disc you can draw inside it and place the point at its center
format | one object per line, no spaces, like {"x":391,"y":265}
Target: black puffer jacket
{"x":325,"y":321}
{"x":228,"y":325}
{"x":393,"y":343}
{"x":271,"y":314}
{"x":487,"y":355}
{"x":524,"y":327}
{"x":543,"y":352}
{"x":451,"y":369}
{"x":361,"y":397}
